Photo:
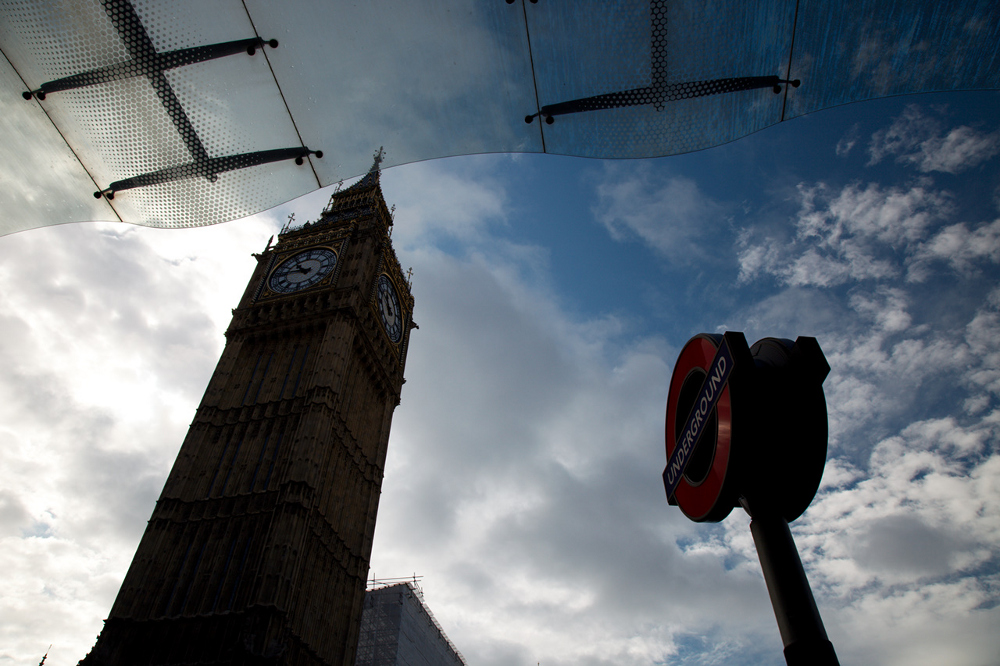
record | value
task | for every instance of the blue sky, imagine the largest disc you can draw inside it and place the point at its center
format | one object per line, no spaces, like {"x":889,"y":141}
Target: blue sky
{"x":553,"y":295}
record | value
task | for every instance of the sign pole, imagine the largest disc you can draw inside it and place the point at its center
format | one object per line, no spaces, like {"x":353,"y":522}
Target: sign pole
{"x":799,"y":622}
{"x":754,"y":419}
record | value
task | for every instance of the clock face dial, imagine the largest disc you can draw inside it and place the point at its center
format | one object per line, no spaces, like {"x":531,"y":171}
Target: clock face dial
{"x":303,"y":270}
{"x":388,"y":308}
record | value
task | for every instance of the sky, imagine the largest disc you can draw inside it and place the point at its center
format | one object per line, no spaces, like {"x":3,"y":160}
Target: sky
{"x":523,"y":476}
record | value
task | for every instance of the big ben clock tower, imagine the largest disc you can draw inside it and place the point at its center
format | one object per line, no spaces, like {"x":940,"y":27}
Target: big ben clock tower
{"x":257,"y":551}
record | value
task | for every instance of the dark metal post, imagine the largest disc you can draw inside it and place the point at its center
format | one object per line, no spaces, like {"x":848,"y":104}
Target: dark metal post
{"x":801,"y":627}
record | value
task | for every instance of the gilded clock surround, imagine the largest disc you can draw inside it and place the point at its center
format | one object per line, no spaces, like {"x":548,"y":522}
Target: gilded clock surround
{"x":306,"y":269}
{"x":280,"y":259}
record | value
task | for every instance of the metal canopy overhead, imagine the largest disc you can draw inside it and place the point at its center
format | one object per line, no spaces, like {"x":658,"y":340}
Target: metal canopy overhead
{"x":177,"y":113}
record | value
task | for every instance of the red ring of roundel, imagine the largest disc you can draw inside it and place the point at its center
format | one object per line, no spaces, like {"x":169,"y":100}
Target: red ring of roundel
{"x":697,"y":501}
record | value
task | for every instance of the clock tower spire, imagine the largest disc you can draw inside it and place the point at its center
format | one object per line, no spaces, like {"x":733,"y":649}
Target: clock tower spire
{"x":257,"y":551}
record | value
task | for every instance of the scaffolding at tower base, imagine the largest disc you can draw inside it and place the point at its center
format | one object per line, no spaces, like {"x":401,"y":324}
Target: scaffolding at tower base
{"x":397,"y":629}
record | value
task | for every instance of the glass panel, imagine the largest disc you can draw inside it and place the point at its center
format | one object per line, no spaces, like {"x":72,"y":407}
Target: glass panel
{"x":50,"y":40}
{"x":234,"y":105}
{"x":197,"y":202}
{"x":429,"y":79}
{"x":881,"y":48}
{"x":563,"y":41}
{"x":41,"y":181}
{"x":158,"y":118}
{"x":597,"y":48}
{"x":424,"y":79}
{"x":181,"y":24}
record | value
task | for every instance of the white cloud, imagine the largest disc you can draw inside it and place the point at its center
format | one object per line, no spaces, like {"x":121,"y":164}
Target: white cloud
{"x":868,"y":233}
{"x":890,"y":355}
{"x":439,"y":201}
{"x":902,"y":542}
{"x":919,"y":140}
{"x":856,"y":234}
{"x":108,"y":336}
{"x":523,"y":473}
{"x":523,"y":440}
{"x":909,"y":540}
{"x":886,"y":308}
{"x":550,"y":481}
{"x":958,"y":246}
{"x":981,"y":335}
{"x":885,"y":245}
{"x":669,"y":213}
{"x":538,"y":481}
{"x":848,"y":141}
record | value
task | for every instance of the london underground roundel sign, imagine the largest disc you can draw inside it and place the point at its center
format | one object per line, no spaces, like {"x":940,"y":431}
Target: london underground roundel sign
{"x":699,"y":428}
{"x":745,"y":422}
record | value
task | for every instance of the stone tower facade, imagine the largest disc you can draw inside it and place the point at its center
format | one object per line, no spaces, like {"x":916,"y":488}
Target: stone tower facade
{"x":257,"y":551}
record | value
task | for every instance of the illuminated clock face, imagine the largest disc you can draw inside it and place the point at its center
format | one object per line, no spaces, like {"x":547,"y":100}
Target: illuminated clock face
{"x":388,"y":308}
{"x":302,"y":270}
